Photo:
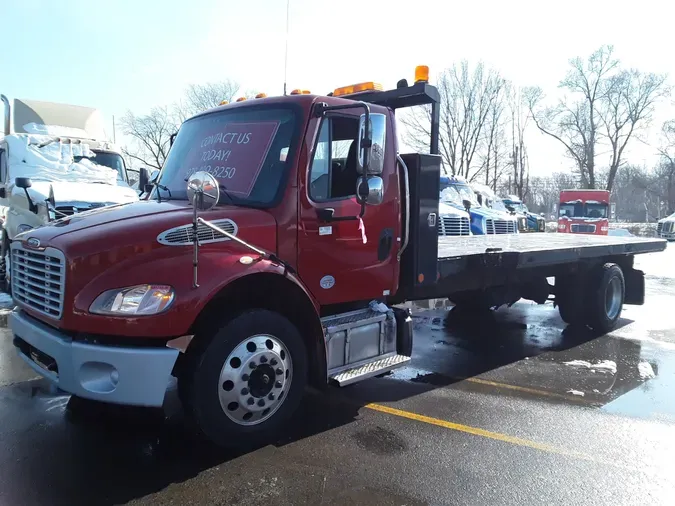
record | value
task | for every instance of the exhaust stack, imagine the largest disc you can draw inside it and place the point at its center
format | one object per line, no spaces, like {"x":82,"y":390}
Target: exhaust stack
{"x":5,"y":101}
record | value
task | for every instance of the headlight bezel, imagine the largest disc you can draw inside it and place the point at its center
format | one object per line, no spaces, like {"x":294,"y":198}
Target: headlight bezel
{"x":152,"y":299}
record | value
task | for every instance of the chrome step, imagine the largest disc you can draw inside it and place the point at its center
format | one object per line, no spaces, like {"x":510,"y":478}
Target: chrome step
{"x":369,"y":370}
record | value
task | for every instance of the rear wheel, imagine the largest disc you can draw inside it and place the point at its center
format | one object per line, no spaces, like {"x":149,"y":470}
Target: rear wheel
{"x":242,"y":386}
{"x":605,"y":298}
{"x":596,"y":301}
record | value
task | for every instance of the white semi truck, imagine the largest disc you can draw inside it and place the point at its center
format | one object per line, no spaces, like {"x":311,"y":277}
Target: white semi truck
{"x":55,"y":161}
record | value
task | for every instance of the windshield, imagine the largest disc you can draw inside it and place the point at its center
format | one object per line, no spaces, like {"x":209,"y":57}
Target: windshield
{"x":466,"y":193}
{"x":108,"y":159}
{"x":450,"y":195}
{"x":584,"y":210}
{"x":245,"y":150}
{"x":499,"y":205}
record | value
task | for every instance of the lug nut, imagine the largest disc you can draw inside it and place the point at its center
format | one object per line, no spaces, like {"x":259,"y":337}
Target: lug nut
{"x":279,"y":371}
{"x":271,"y":396}
{"x":244,"y":377}
{"x":250,"y":401}
{"x":252,"y":365}
{"x":244,"y":391}
{"x":278,"y":384}
{"x":273,"y":362}
{"x":261,"y":402}
{"x":263,"y":360}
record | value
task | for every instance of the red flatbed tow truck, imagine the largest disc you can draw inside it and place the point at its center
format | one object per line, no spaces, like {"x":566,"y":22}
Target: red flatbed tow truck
{"x":310,"y":228}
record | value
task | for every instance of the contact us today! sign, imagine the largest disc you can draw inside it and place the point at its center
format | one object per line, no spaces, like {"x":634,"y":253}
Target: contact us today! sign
{"x":233,"y":153}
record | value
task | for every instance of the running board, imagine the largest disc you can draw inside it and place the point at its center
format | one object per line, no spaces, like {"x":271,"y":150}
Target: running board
{"x":369,"y":370}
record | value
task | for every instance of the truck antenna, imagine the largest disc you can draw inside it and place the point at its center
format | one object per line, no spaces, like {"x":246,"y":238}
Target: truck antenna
{"x":288,"y":2}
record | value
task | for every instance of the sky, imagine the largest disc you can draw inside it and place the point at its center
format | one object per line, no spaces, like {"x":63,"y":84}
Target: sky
{"x":133,"y":54}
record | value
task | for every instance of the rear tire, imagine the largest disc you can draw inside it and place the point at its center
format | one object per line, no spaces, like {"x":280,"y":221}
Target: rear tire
{"x":605,"y":298}
{"x":239,"y":388}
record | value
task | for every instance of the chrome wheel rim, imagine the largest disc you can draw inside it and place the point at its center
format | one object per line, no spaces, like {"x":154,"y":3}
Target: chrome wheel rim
{"x":613,"y":298}
{"x":255,"y":379}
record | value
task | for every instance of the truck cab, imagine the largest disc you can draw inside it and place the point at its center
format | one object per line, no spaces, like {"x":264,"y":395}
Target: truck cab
{"x":535,"y":223}
{"x":584,"y":212}
{"x":665,"y":227}
{"x":488,"y":198}
{"x":457,"y":192}
{"x":54,"y":162}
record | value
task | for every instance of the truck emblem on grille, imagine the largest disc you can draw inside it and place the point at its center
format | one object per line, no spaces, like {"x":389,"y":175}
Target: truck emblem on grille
{"x":34,"y":242}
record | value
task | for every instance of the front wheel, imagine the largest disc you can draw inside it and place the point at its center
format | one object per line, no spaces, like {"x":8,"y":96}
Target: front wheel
{"x":242,"y":386}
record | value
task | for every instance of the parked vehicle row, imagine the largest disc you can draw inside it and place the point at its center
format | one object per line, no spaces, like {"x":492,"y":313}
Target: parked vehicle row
{"x":665,"y":227}
{"x":54,"y":161}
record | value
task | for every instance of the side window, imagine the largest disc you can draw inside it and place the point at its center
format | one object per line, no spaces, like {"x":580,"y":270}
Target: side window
{"x":333,"y":173}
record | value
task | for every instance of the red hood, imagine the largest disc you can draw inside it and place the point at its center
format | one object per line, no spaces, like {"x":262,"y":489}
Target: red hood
{"x":118,"y":246}
{"x":137,"y":222}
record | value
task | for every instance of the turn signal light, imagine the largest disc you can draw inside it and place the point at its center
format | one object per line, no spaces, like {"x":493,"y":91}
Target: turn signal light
{"x":224,"y":102}
{"x":296,"y":92}
{"x":241,"y":99}
{"x":422,"y":74}
{"x":356,"y":88}
{"x":261,"y":95}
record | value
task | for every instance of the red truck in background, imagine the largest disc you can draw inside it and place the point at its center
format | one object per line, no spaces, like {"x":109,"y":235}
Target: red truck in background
{"x":273,"y":253}
{"x":584,"y":212}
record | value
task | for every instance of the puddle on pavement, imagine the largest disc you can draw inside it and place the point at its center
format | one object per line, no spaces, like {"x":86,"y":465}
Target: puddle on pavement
{"x":613,"y":373}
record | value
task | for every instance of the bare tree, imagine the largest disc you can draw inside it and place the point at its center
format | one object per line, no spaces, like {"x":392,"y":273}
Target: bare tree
{"x":666,"y":171}
{"x":466,"y":100}
{"x":200,"y":97}
{"x":627,"y":106}
{"x":519,"y":159}
{"x":494,"y":150}
{"x":574,"y":121}
{"x":150,"y":135}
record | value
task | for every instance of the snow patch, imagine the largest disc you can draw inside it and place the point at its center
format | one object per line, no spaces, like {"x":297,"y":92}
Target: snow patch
{"x":55,"y":130}
{"x":48,"y":158}
{"x":646,"y":371}
{"x":603,"y":365}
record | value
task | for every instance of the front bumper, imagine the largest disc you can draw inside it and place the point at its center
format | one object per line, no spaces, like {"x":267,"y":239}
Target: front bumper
{"x":114,"y":374}
{"x":668,"y":235}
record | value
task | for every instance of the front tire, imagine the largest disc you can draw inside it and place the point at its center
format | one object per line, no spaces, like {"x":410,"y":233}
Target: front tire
{"x":241,"y":387}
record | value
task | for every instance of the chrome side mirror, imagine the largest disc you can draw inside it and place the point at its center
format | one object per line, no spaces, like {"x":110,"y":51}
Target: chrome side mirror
{"x":373,"y":191}
{"x":377,"y":130}
{"x":203,"y":191}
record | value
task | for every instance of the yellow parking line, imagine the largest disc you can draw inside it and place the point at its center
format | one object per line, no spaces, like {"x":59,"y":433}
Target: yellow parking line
{"x":491,"y":435}
{"x":534,"y":391}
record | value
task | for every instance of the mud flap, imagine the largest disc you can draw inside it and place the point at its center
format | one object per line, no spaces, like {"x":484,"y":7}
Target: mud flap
{"x":635,"y":287}
{"x":404,"y":331}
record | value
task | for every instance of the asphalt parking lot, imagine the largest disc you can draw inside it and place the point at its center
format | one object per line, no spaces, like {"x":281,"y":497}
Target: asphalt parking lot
{"x":514,"y":409}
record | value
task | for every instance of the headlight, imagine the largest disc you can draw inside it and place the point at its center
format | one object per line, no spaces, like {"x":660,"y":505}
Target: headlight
{"x":23,"y":228}
{"x":134,"y":300}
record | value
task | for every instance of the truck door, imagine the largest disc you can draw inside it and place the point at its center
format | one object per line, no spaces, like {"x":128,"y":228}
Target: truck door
{"x":342,"y":261}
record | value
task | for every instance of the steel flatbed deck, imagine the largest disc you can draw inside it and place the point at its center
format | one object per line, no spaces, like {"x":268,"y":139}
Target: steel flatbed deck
{"x":537,"y":249}
{"x":483,"y":261}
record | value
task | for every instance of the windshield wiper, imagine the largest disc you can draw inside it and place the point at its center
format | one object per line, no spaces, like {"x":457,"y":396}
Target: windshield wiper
{"x":161,"y":187}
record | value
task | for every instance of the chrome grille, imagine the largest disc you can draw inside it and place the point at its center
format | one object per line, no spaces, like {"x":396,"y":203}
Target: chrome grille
{"x":504,"y":227}
{"x":453,"y":225}
{"x":583,"y":228}
{"x":659,"y":228}
{"x":38,"y":279}
{"x":489,"y":226}
{"x":180,"y":236}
